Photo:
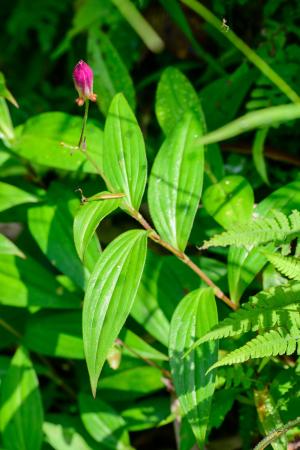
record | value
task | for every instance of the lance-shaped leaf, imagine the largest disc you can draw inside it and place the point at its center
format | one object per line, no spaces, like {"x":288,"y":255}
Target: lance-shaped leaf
{"x":7,"y":247}
{"x":175,"y":96}
{"x":110,"y":295}
{"x":125,"y":163}
{"x":21,"y":411}
{"x":12,"y":196}
{"x":230,"y":201}
{"x":88,"y":218}
{"x":193,"y":317}
{"x":175,"y":183}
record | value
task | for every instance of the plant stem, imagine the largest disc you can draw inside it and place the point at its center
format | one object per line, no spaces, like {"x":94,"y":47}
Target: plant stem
{"x":165,"y":372}
{"x":81,"y":143}
{"x":148,"y":35}
{"x":180,"y":255}
{"x":244,"y":48}
{"x":184,"y":258}
{"x":276,"y":434}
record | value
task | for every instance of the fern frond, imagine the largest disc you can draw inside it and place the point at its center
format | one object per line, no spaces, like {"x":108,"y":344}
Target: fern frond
{"x":273,"y":343}
{"x":289,"y":266}
{"x":279,"y":306}
{"x":277,"y":228}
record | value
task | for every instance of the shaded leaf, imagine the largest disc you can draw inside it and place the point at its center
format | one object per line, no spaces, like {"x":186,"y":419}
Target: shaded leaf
{"x":110,"y":73}
{"x":27,"y":283}
{"x":51,"y":225}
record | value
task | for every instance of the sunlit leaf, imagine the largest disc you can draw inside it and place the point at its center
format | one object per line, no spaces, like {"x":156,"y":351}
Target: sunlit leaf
{"x":230,"y":201}
{"x":11,"y":196}
{"x":7,"y":247}
{"x":103,"y":423}
{"x":87,"y":219}
{"x":110,"y":295}
{"x":243,"y":265}
{"x":175,"y":182}
{"x":21,"y":411}
{"x":125,"y":164}
{"x":175,"y":96}
{"x":258,"y":153}
{"x":194,"y":316}
{"x":39,"y":141}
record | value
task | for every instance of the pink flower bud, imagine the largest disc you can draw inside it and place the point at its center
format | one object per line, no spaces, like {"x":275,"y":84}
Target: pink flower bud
{"x":83,"y":79}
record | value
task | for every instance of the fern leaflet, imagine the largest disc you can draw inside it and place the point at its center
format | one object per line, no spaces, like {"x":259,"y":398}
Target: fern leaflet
{"x":279,"y":306}
{"x":287,"y":265}
{"x":273,"y":343}
{"x":278,"y":228}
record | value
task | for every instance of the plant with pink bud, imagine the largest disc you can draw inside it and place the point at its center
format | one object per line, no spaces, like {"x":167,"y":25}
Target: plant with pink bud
{"x":83,"y":79}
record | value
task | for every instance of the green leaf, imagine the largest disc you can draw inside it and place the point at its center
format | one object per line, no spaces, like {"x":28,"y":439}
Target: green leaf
{"x":7,"y":131}
{"x":103,"y":423}
{"x":277,"y":227}
{"x":194,"y":316}
{"x":125,"y":164}
{"x":60,"y":334}
{"x":261,"y":118}
{"x":147,"y":413}
{"x":55,"y":334}
{"x":4,"y":92}
{"x":110,"y":73}
{"x":272,"y":343}
{"x":222,"y":98}
{"x":175,"y":183}
{"x":110,"y":295}
{"x":65,"y":432}
{"x":230,"y":201}
{"x":131,"y":383}
{"x":27,"y":283}
{"x":243,"y":265}
{"x":258,"y":153}
{"x":12,"y":196}
{"x":39,"y":141}
{"x":175,"y":96}
{"x":139,"y":346}
{"x":21,"y":410}
{"x":287,"y":265}
{"x":51,"y":225}
{"x":7,"y":247}
{"x":87,"y":219}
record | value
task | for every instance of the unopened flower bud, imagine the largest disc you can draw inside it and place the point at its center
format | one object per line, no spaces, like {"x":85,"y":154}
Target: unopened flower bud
{"x":83,"y":79}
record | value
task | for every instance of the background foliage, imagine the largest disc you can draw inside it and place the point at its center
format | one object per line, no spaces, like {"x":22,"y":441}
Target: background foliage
{"x":178,"y":303}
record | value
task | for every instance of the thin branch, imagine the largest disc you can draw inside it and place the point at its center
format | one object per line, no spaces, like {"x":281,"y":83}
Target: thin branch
{"x":185,"y":259}
{"x":165,"y":372}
